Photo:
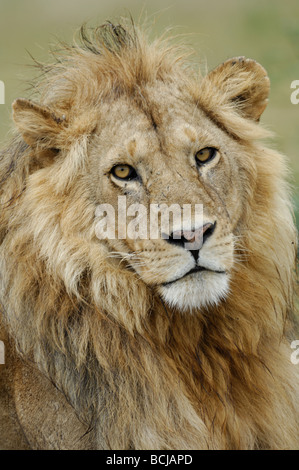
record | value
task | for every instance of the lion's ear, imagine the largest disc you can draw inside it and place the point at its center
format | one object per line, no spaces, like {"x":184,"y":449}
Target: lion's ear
{"x":38,"y":124}
{"x":243,"y":82}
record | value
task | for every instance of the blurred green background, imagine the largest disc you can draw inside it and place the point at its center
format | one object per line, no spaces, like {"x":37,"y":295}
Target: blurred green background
{"x":266,"y":30}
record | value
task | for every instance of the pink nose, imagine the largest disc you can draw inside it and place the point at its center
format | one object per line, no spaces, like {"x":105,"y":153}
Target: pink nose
{"x":192,"y":236}
{"x":192,"y":240}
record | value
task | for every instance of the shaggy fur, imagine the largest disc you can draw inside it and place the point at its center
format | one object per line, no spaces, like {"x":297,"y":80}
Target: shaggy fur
{"x":127,"y":369}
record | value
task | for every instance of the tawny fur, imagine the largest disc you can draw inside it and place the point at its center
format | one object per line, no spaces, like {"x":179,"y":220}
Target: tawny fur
{"x":130,"y":371}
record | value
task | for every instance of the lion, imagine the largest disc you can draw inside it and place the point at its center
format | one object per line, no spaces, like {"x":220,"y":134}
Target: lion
{"x":146,"y":343}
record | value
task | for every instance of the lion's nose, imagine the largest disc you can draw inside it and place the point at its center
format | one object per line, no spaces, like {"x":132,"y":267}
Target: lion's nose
{"x":192,"y":240}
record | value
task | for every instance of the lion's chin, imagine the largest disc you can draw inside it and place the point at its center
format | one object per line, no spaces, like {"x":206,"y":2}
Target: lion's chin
{"x":196,"y":291}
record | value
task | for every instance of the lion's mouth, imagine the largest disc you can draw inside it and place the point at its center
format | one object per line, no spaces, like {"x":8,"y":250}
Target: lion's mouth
{"x":192,"y":271}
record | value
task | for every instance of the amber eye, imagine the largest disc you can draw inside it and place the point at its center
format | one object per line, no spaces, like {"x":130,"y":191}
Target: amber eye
{"x":124,"y":172}
{"x":205,"y":155}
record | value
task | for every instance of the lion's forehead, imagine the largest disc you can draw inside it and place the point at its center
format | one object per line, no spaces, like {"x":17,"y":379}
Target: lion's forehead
{"x":157,"y":121}
{"x":159,"y":134}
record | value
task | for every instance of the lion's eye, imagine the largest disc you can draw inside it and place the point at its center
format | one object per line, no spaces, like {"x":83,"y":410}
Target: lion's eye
{"x":124,"y":172}
{"x":205,"y":155}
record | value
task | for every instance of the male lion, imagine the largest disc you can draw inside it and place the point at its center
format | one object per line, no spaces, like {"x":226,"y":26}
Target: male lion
{"x":132,"y":343}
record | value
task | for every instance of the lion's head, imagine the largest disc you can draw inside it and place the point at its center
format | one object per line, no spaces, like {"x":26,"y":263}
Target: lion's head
{"x":133,"y":125}
{"x":121,"y":127}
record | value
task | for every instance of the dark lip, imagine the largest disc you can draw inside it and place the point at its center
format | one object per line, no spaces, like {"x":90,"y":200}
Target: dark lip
{"x":194,"y":270}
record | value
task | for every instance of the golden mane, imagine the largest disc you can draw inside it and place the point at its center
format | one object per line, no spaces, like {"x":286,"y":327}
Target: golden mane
{"x":217,"y":379}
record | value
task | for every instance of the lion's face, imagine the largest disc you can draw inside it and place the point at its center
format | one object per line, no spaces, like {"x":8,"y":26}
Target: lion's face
{"x":169,"y":153}
{"x":156,"y":141}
